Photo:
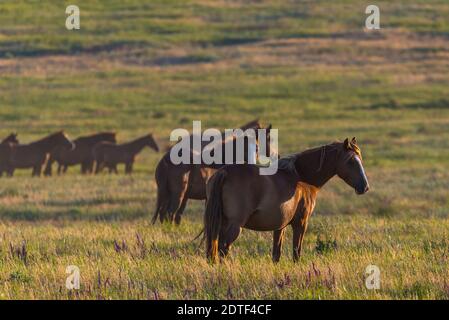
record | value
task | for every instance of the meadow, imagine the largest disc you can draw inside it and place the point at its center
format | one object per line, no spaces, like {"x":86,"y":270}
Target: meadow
{"x":307,"y":67}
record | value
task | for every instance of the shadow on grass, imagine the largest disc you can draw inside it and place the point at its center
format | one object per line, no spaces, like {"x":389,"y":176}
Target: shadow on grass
{"x":74,"y":214}
{"x":94,"y":202}
{"x":16,"y":49}
{"x":393,"y":104}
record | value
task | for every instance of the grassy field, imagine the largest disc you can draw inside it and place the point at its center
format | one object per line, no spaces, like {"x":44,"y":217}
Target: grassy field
{"x":308,"y":67}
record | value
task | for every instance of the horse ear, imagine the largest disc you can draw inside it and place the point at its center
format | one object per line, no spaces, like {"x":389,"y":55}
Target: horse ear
{"x":346,"y":144}
{"x":354,"y":140}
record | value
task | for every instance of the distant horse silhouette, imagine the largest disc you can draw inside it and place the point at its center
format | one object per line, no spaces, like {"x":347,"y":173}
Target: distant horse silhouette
{"x":237,"y":196}
{"x":176,"y":183}
{"x":82,"y":154}
{"x":34,"y":155}
{"x":107,"y":154}
{"x":11,"y":139}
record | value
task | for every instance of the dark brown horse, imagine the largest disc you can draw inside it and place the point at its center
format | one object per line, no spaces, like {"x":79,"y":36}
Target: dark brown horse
{"x":11,"y":139}
{"x":238,"y":197}
{"x":107,"y":154}
{"x":33,"y":155}
{"x":177,"y":183}
{"x":82,"y":154}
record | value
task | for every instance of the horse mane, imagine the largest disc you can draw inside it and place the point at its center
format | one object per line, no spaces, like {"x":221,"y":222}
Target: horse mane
{"x":255,"y":124}
{"x":287,"y":163}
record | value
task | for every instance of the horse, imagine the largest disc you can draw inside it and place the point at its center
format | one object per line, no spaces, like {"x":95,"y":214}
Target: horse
{"x":82,"y":154}
{"x":107,"y":154}
{"x":34,"y":155}
{"x":11,"y":139}
{"x":177,"y":183}
{"x":238,"y":197}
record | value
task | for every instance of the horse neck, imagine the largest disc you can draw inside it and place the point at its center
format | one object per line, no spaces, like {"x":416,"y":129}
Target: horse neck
{"x":308,"y":166}
{"x":137,"y":145}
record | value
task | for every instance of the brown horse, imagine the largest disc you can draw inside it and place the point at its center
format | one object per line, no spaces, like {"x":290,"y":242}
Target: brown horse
{"x":11,"y":139}
{"x":34,"y":155}
{"x":177,"y":183}
{"x":107,"y":154}
{"x":237,"y":196}
{"x":82,"y":154}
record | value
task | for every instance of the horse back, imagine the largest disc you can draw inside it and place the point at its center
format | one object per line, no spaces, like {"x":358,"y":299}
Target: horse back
{"x":25,"y":156}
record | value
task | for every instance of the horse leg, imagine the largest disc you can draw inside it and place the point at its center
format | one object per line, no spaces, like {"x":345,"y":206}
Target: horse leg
{"x":230,"y":234}
{"x":128,"y":167}
{"x":59,"y":169}
{"x":180,"y":211}
{"x":37,"y":170}
{"x":114,"y":168}
{"x":99,"y":167}
{"x":48,"y":168}
{"x":278,"y":240}
{"x":83,"y":168}
{"x":89,"y":166}
{"x":299,"y":229}
{"x":64,"y":170}
{"x":178,"y":193}
{"x":174,"y":204}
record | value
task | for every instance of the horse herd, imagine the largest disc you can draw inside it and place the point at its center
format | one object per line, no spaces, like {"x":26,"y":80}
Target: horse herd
{"x":236,"y":195}
{"x":100,"y":149}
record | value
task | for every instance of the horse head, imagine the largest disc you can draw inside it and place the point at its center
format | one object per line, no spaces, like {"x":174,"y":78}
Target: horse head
{"x":62,"y":139}
{"x":151,"y":142}
{"x":350,"y":167}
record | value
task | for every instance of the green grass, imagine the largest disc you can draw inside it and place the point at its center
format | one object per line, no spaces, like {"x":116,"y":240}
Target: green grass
{"x":308,"y":67}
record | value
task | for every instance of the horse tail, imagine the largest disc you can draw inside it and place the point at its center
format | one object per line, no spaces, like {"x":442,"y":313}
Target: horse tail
{"x":162,"y":189}
{"x":214,"y":215}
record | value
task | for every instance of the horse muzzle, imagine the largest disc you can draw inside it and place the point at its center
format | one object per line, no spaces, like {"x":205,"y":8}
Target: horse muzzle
{"x":362,"y":189}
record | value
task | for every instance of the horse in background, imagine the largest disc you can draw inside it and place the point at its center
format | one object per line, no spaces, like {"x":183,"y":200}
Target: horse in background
{"x":107,"y":154}
{"x":177,"y":183}
{"x":11,"y":139}
{"x":238,"y":197}
{"x":33,"y":155}
{"x":81,"y":154}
